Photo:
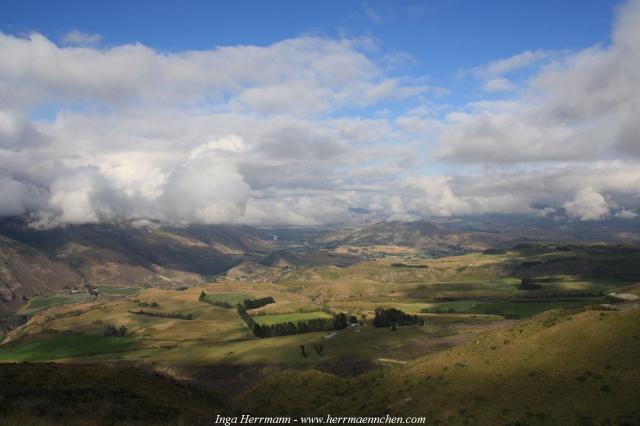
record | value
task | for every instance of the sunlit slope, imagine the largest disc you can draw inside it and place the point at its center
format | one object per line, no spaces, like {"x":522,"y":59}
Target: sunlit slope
{"x":557,"y":368}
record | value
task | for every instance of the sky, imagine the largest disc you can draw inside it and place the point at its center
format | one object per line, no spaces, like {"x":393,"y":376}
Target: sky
{"x":314,"y":113}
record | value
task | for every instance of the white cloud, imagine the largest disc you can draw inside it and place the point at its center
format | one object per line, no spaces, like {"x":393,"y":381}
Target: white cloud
{"x":80,"y":38}
{"x":627,"y":214}
{"x":582,"y":107}
{"x":504,"y":66}
{"x":499,"y":85}
{"x":587,"y":205}
{"x":285,"y":134}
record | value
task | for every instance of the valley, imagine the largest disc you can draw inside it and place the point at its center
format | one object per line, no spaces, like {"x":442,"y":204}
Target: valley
{"x":484,"y":320}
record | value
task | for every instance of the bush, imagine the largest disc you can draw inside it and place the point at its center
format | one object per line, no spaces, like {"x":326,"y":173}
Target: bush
{"x":111,"y":331}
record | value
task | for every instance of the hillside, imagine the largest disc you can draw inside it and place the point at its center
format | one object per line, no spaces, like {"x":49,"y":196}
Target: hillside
{"x":98,"y":394}
{"x":557,"y":368}
{"x":451,"y":236}
{"x":496,"y":336}
{"x":43,"y":262}
{"x":25,"y":272}
{"x":426,"y":237}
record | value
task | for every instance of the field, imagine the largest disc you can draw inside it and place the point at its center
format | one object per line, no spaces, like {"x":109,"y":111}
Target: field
{"x":521,"y":309}
{"x":66,"y":347}
{"x":118,"y":291}
{"x":525,"y":374}
{"x":40,"y":303}
{"x":293,"y":317}
{"x":232,"y":299}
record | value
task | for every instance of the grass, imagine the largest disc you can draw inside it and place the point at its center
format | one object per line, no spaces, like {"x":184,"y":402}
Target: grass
{"x":519,"y":309}
{"x":65,"y":346}
{"x":220,"y":336}
{"x":118,"y":291}
{"x":39,"y":303}
{"x":553,"y":367}
{"x":74,"y":395}
{"x":293,"y":317}
{"x":231,"y":298}
{"x":558,"y":368}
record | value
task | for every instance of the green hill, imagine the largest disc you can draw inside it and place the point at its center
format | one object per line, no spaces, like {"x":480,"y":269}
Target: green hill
{"x":557,"y":368}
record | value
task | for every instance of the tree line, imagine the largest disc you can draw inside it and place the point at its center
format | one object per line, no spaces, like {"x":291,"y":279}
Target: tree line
{"x":258,"y":303}
{"x":247,"y":303}
{"x":338,"y":322}
{"x":163,"y":314}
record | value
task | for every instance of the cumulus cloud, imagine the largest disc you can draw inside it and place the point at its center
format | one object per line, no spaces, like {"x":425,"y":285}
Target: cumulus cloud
{"x":587,"y":205}
{"x":581,"y":107}
{"x":627,"y":214}
{"x":284,"y":134}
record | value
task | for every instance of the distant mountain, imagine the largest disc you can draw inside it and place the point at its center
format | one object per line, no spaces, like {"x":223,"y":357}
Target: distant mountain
{"x":42,"y":262}
{"x":473,"y":233}
{"x":425,"y":236}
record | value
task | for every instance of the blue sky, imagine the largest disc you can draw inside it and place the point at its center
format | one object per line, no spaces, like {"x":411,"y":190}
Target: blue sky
{"x":297,"y":113}
{"x":442,"y":36}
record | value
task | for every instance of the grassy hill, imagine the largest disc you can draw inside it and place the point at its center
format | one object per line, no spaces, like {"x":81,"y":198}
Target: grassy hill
{"x":557,"y":368}
{"x":54,"y":394}
{"x":491,"y":351}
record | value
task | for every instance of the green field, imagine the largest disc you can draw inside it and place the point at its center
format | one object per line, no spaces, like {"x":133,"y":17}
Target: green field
{"x":520,"y":309}
{"x":231,"y":298}
{"x":39,"y":303}
{"x":118,"y":291}
{"x":293,"y":317}
{"x":65,"y":346}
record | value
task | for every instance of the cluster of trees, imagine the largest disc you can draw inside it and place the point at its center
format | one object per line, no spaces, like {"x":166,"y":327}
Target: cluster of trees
{"x":218,"y":303}
{"x":338,"y":322}
{"x":405,"y":265}
{"x":91,"y":289}
{"x":258,"y":303}
{"x":529,"y":284}
{"x":438,"y":310}
{"x":394,"y":317}
{"x":163,"y":314}
{"x":494,"y":251}
{"x":111,"y":331}
{"x":149,"y":305}
{"x":568,"y":294}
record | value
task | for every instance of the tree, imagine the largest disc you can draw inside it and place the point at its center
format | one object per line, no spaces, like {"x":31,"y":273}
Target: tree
{"x":110,"y":330}
{"x":392,"y":316}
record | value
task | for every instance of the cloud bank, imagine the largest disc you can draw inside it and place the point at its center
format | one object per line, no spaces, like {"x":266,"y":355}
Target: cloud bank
{"x":308,"y":130}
